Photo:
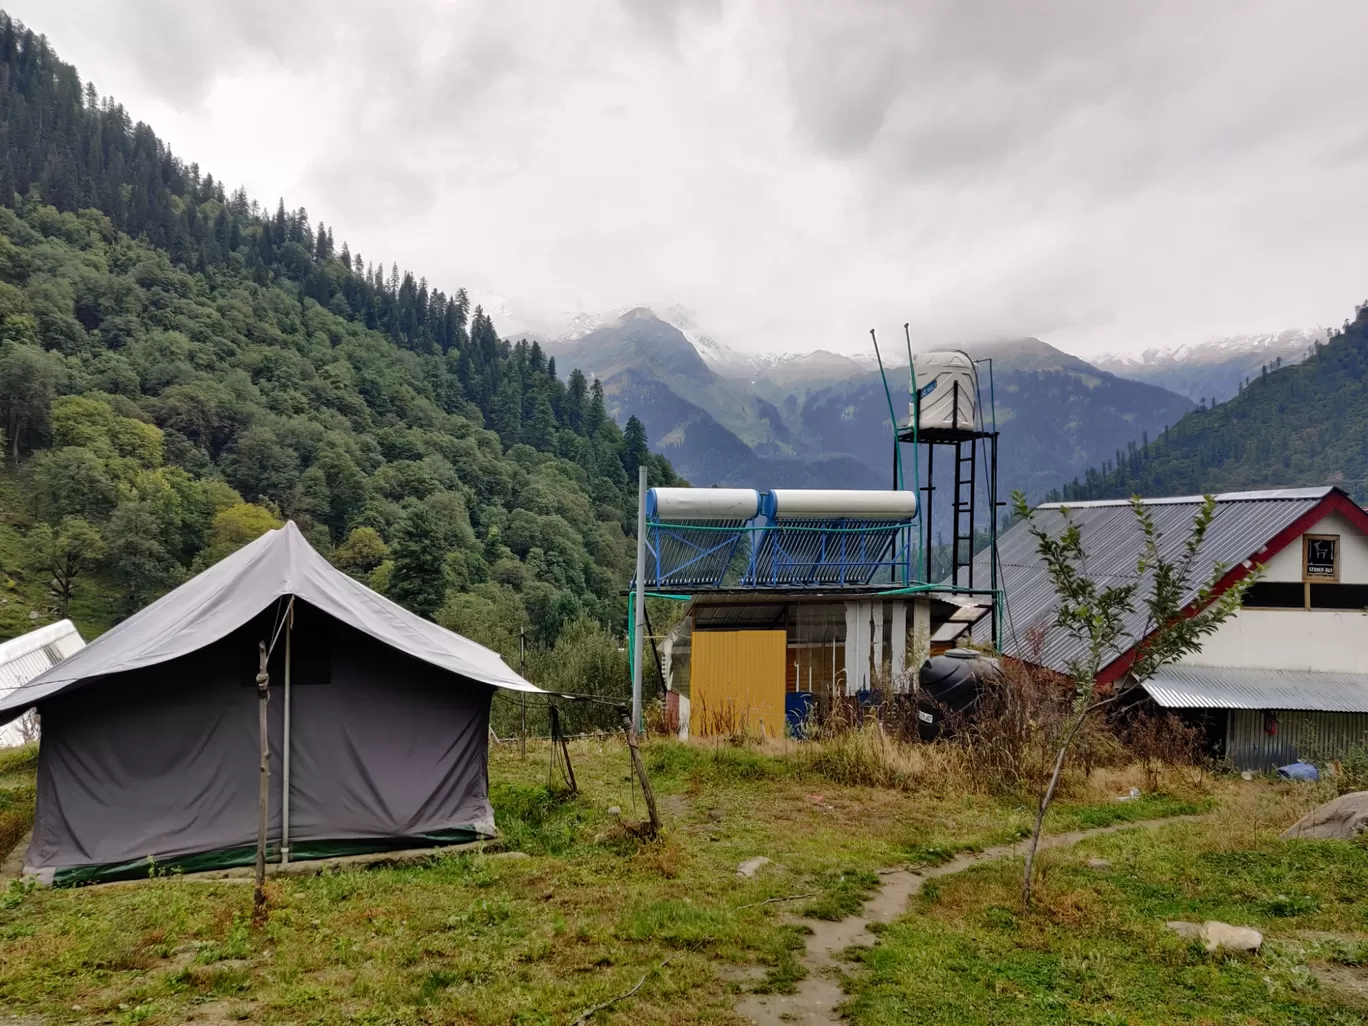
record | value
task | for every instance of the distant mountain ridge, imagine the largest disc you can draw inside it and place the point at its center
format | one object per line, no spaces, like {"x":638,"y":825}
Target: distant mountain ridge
{"x":1214,"y":370}
{"x":1303,"y":424}
{"x":821,"y":419}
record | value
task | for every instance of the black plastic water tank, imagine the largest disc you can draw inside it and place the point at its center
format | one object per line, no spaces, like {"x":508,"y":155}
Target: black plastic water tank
{"x":950,"y":686}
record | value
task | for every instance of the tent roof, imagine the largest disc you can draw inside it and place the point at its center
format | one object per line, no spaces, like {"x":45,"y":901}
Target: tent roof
{"x":230,"y":593}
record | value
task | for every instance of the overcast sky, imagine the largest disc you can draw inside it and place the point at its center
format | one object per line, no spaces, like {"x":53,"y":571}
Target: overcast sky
{"x":1103,"y":175}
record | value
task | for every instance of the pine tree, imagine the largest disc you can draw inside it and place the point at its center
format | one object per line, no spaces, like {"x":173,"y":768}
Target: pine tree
{"x":418,"y":580}
{"x":598,"y":413}
{"x":576,"y":398}
{"x":506,"y":411}
{"x":635,"y":452}
{"x":540,"y":429}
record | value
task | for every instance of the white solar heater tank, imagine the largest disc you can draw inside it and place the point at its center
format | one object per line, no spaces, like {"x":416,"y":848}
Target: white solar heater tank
{"x":844,"y":503}
{"x":702,"y":503}
{"x":947,"y":391}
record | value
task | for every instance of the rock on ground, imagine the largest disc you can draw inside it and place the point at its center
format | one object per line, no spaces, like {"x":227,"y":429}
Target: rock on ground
{"x":1188,"y":931}
{"x":751,"y":866}
{"x":1340,"y":820}
{"x":1217,"y":936}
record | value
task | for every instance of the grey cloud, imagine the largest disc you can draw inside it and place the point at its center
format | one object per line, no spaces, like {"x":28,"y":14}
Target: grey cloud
{"x":1105,"y":173}
{"x":1104,"y":95}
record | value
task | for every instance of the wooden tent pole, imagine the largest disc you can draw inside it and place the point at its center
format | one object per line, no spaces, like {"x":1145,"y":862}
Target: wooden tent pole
{"x":285,"y":754}
{"x":262,"y":680}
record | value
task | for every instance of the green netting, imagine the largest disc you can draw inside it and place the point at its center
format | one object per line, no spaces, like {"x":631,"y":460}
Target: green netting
{"x":231,"y":858}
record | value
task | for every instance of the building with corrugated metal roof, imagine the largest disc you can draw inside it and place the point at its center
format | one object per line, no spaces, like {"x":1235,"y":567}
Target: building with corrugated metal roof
{"x":26,"y":657}
{"x":1287,"y":675}
{"x":795,"y":597}
{"x":800,"y":597}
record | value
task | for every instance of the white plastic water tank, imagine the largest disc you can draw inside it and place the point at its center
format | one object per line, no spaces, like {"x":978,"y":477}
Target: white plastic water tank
{"x":947,"y":391}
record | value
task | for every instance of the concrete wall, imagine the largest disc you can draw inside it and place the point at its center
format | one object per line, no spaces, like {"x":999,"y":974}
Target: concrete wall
{"x":1289,"y":639}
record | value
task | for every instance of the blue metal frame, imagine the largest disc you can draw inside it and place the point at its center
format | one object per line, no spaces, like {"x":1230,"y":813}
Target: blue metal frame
{"x":829,"y":553}
{"x":782,"y":552}
{"x":674,"y":549}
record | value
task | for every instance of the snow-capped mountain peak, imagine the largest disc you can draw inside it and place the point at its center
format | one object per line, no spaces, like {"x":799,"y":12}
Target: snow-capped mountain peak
{"x":1274,"y":344}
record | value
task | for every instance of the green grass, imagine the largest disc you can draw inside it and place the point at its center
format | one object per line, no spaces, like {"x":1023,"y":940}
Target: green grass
{"x":487,"y":939}
{"x":1111,"y":813}
{"x":1095,"y":948}
{"x":18,"y":767}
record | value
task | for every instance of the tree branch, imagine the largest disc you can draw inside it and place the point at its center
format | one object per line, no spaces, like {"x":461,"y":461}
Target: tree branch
{"x":589,"y":1013}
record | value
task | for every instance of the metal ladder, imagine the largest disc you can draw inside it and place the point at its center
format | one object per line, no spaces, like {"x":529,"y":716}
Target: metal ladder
{"x":962,"y":549}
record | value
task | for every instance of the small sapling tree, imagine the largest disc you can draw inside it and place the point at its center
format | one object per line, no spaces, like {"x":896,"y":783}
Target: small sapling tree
{"x":1152,"y":618}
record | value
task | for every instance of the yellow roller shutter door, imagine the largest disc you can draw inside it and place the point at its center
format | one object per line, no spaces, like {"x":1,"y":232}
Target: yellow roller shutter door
{"x":738,"y":683}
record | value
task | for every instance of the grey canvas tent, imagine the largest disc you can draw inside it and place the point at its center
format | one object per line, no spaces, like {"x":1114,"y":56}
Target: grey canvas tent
{"x":151,"y":744}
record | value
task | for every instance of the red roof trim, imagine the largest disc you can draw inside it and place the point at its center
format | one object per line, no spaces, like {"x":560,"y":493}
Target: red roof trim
{"x":1335,"y":501}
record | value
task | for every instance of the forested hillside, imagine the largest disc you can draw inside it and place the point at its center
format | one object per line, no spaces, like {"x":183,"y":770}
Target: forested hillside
{"x":181,"y":370}
{"x":1302,"y":425}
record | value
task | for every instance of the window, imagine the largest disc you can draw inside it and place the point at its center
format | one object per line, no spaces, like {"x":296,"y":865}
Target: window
{"x":1339,"y":596}
{"x":1276,"y":595}
{"x":1293,"y":595}
{"x":1320,"y":557}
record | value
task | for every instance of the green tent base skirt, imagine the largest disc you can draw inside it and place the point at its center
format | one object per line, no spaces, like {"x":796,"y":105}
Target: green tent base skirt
{"x":232,"y":858}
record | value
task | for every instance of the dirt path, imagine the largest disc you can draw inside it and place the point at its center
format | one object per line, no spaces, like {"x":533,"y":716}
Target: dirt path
{"x":819,"y":994}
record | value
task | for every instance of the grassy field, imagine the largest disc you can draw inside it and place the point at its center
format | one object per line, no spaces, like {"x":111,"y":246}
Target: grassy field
{"x":17,"y":767}
{"x":1095,"y":948}
{"x":592,"y":909}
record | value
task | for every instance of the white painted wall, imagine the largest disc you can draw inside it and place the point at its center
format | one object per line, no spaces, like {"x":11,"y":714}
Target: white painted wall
{"x":1287,"y":564}
{"x":1298,"y":639}
{"x":1289,"y":639}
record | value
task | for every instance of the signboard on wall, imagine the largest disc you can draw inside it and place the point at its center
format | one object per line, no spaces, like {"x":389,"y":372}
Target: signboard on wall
{"x":1320,"y":557}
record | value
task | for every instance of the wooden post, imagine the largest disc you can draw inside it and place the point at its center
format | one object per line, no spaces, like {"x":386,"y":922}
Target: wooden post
{"x":558,"y":736}
{"x":259,"y":895}
{"x":641,"y":772}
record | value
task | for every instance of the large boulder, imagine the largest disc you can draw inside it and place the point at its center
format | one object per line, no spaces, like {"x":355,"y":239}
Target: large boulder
{"x":1341,"y":820}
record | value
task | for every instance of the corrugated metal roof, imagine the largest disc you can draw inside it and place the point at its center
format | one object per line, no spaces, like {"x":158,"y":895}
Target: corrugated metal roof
{"x":1243,"y":524}
{"x":25,"y":657}
{"x":1317,"y":492}
{"x":1240,"y":687}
